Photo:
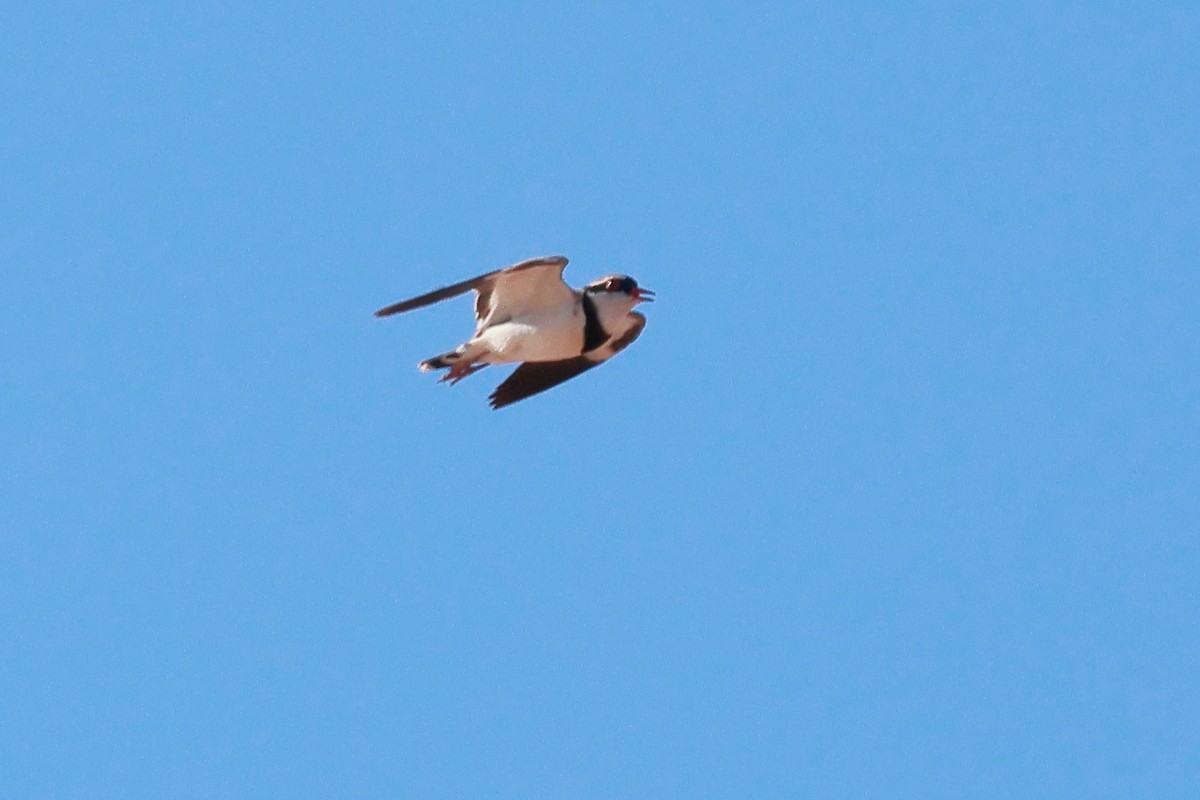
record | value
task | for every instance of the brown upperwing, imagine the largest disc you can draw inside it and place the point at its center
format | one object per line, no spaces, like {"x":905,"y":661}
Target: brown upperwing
{"x":534,"y":377}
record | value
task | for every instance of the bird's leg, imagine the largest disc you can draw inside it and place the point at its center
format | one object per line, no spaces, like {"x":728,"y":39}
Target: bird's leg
{"x":461,"y":370}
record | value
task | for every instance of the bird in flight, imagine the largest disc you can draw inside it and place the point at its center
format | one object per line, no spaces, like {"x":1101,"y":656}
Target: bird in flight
{"x":527,"y":314}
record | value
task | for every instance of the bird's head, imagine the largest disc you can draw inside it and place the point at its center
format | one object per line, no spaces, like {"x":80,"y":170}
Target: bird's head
{"x":618,"y":291}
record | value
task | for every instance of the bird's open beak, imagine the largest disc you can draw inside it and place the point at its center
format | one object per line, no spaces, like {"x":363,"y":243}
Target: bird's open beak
{"x":643,"y":295}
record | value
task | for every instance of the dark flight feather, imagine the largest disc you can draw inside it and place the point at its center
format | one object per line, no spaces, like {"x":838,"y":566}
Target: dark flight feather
{"x":446,"y":292}
{"x":534,"y":377}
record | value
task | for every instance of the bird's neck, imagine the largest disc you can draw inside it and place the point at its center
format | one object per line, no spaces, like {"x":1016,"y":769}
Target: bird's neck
{"x":594,"y":334}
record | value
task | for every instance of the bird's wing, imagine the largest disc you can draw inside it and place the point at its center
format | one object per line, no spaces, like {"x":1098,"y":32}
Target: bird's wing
{"x":527,"y":284}
{"x":618,"y":343}
{"x":522,"y":289}
{"x":533,"y":377}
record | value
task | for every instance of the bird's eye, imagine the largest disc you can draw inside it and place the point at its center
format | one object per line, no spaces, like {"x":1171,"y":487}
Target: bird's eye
{"x":612,"y":284}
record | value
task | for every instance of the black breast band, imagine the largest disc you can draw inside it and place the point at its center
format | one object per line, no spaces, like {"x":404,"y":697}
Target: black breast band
{"x":593,"y":333}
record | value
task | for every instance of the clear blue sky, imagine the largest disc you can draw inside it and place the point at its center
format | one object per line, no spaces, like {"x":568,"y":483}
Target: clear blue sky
{"x":898,"y":496}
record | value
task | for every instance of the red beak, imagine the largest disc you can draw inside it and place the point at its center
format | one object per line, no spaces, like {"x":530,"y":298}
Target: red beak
{"x":643,"y":295}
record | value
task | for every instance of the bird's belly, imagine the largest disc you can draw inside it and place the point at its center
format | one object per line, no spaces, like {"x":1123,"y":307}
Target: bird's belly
{"x":551,"y":339}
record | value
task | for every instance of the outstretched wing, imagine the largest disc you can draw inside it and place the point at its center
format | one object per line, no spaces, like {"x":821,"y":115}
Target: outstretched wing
{"x":523,"y":286}
{"x":534,"y":377}
{"x":526,"y":289}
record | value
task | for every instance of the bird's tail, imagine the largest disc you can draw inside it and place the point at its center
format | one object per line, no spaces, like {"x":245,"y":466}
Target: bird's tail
{"x":444,"y":361}
{"x":460,"y":363}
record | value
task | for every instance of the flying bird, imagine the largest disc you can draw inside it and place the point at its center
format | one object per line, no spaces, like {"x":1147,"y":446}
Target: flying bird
{"x":527,"y":314}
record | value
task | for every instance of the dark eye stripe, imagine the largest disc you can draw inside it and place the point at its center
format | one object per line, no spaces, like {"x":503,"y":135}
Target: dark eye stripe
{"x":623,"y":284}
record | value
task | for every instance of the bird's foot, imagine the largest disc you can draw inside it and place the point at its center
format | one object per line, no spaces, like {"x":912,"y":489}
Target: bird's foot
{"x":460,"y":371}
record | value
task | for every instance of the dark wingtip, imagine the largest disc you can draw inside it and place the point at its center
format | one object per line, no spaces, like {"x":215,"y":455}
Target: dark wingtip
{"x":501,"y":398}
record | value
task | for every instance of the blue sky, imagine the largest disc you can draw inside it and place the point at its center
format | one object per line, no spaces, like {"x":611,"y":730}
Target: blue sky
{"x":895,"y":497}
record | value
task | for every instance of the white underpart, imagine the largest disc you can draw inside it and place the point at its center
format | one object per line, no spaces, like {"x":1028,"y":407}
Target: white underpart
{"x":551,"y":333}
{"x":550,"y":336}
{"x":613,"y":309}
